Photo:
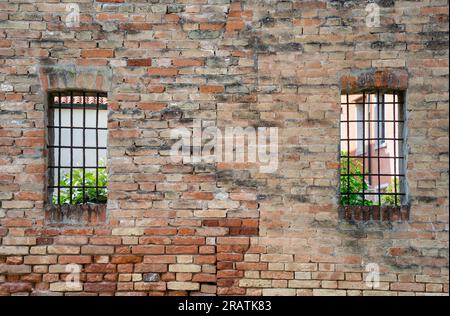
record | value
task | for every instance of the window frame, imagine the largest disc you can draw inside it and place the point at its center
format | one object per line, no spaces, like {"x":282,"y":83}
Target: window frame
{"x":399,"y":117}
{"x":54,"y":185}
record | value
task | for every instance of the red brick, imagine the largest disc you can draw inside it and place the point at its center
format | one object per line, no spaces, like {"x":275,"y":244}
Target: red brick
{"x":277,"y":275}
{"x":163,"y":72}
{"x":154,"y":241}
{"x":205,"y":259}
{"x":233,"y":240}
{"x":156,"y":89}
{"x":202,"y":277}
{"x":211,"y":89}
{"x":229,"y":274}
{"x":40,"y":259}
{"x":188,"y":241}
{"x":5,"y":43}
{"x":160,"y":259}
{"x":198,"y":195}
{"x":185,"y":231}
{"x":211,"y":223}
{"x":434,"y":10}
{"x":16,"y":287}
{"x":105,"y":240}
{"x":125,"y":268}
{"x":30,"y":142}
{"x":112,"y":17}
{"x":126,"y":259}
{"x":171,"y":18}
{"x":100,"y":268}
{"x":132,"y":133}
{"x":3,"y":231}
{"x":97,"y":53}
{"x":29,"y":196}
{"x":100,"y":287}
{"x":187,"y":62}
{"x":247,"y":231}
{"x":160,"y":231}
{"x":243,"y":196}
{"x":232,"y":248}
{"x":150,"y":267}
{"x":152,"y":106}
{"x":143,"y":62}
{"x":230,"y":222}
{"x":77,"y":231}
{"x":17,"y":222}
{"x":207,"y":249}
{"x":74,"y":259}
{"x":135,"y":26}
{"x":229,"y":257}
{"x":408,"y":287}
{"x":235,"y":25}
{"x":250,"y":223}
{"x":182,"y":249}
{"x":212,"y":26}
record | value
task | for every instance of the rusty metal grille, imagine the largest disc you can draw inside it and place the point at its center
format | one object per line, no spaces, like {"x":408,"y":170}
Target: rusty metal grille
{"x":372,"y":160}
{"x":77,"y":132}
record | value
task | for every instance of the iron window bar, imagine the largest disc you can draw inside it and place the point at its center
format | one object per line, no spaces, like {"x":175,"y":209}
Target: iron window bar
{"x":364,"y":147}
{"x":395,"y":151}
{"x":70,"y":101}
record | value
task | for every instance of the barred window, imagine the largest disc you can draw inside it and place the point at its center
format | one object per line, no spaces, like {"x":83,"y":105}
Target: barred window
{"x":77,"y":143}
{"x":372,"y":149}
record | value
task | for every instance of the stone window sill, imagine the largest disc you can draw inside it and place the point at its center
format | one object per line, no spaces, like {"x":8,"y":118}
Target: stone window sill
{"x":76,"y":215}
{"x":355,"y":213}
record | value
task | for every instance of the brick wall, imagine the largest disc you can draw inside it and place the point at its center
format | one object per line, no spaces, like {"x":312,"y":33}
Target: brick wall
{"x":221,"y":228}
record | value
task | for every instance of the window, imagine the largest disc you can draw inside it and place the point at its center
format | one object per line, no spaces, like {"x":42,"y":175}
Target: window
{"x":77,"y":129}
{"x":372,"y":155}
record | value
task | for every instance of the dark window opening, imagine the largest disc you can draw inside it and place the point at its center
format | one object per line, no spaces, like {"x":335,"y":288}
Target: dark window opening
{"x":372,"y":158}
{"x":77,"y":144}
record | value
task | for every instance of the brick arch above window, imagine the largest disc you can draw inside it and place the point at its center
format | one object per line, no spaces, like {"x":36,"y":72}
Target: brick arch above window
{"x":72,"y":77}
{"x":385,"y":79}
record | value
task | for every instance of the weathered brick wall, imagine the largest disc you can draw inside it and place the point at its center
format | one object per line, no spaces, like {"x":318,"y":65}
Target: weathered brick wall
{"x":221,"y":228}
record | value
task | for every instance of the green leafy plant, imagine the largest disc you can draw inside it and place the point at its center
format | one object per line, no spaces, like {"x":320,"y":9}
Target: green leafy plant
{"x":90,"y":192}
{"x":352,"y":186}
{"x":392,"y":200}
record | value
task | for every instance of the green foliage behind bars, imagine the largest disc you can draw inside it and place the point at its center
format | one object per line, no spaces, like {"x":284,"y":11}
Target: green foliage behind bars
{"x":354,"y":184}
{"x":90,"y":195}
{"x":391,"y":199}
